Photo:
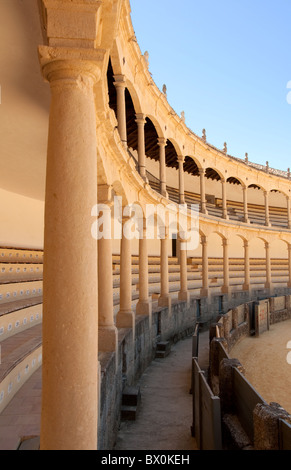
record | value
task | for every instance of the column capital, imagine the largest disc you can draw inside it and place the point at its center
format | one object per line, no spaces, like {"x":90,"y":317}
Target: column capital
{"x":140,"y":118}
{"x":267,"y":245}
{"x":105,"y":194}
{"x":204,"y":240}
{"x":162,"y":141}
{"x":246,"y":243}
{"x":181,"y":159}
{"x":225,"y":242}
{"x":201,"y":171}
{"x":120,"y":81}
{"x":58,"y":63}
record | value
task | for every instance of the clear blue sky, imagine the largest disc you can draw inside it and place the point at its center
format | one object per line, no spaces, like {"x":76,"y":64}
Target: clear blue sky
{"x":226,"y":64}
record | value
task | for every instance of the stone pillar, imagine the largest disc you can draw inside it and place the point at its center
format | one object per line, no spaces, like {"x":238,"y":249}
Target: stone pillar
{"x":246,"y":285}
{"x":202,"y":190}
{"x":267,"y":216}
{"x":288,"y":213}
{"x":225,"y":288}
{"x":184,"y":293}
{"x":144,"y":305}
{"x":70,"y":298}
{"x":107,"y":331}
{"x":165,"y":298}
{"x":140,"y":120}
{"x":120,"y":86}
{"x":163,"y":181}
{"x":224,"y":199}
{"x":125,"y":317}
{"x":181,"y":180}
{"x":268,"y":284}
{"x":204,"y":290}
{"x":266,"y":425}
{"x":245,"y":201}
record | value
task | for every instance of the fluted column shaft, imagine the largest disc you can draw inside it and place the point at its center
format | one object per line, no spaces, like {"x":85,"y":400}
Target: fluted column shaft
{"x":267,"y":215}
{"x":224,"y":199}
{"x":165,"y":298}
{"x":245,"y":202}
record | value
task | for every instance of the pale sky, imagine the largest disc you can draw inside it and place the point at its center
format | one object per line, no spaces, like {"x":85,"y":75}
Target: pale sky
{"x":227,"y":65}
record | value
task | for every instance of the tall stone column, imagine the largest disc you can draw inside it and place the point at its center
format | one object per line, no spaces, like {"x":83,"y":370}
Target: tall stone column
{"x":204,"y":290}
{"x":107,"y":331}
{"x":125,"y":317}
{"x":225,"y":288}
{"x":144,"y":305}
{"x":268,"y":284}
{"x":181,"y":180}
{"x":165,"y":298}
{"x":224,"y":199}
{"x":246,"y":285}
{"x":183,"y":293}
{"x":245,"y":202}
{"x":140,"y":120}
{"x":267,"y":216}
{"x":288,"y":212}
{"x":120,"y":86}
{"x":70,"y":298}
{"x":202,"y":190}
{"x":163,"y":181}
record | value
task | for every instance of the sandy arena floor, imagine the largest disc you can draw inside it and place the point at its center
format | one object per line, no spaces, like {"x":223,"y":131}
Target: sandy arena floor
{"x":265,"y":362}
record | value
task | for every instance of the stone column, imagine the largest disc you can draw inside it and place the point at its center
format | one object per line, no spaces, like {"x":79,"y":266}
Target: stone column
{"x":268,"y":284}
{"x":224,"y":199}
{"x":288,"y":213}
{"x":144,"y":305}
{"x":289,"y":264}
{"x":165,"y":298}
{"x":202,"y":190}
{"x":162,"y":144}
{"x":267,"y":216}
{"x":225,"y":288}
{"x":246,"y":285}
{"x":70,"y":298}
{"x":125,"y":317}
{"x":245,"y":201}
{"x":181,"y":180}
{"x":204,"y":290}
{"x":107,"y":331}
{"x":120,"y":86}
{"x":184,"y":293}
{"x":140,"y":120}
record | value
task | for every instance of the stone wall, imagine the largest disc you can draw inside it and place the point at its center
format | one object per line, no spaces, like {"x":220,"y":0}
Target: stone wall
{"x":135,"y":353}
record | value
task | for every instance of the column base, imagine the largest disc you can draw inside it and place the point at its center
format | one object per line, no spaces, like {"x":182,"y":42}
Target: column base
{"x":144,"y":307}
{"x":246,"y":287}
{"x":226,"y":290}
{"x":246,"y":220}
{"x":107,"y":338}
{"x":204,"y":292}
{"x":184,"y":296}
{"x":165,"y":301}
{"x":125,"y":319}
{"x":269,"y":285}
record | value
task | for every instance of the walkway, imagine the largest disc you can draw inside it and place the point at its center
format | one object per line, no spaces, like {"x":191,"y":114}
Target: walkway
{"x":165,"y":415}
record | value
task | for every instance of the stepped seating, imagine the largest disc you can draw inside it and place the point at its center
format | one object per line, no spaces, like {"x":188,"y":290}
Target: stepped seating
{"x":21,"y":274}
{"x":235,"y":209}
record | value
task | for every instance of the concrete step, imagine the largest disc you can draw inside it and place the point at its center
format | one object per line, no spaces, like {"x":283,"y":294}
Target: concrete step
{"x":163,"y":349}
{"x":131,"y":399}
